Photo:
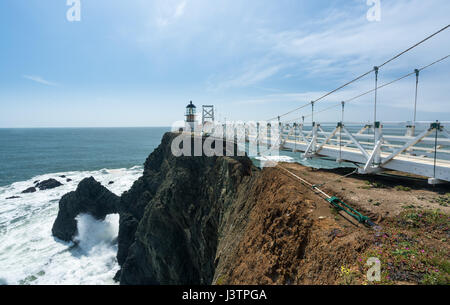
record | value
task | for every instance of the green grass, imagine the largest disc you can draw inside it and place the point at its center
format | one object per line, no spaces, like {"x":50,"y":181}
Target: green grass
{"x":402,"y":188}
{"x":410,"y":206}
{"x":424,"y":219}
{"x":371,"y":185}
{"x":411,"y":248}
{"x":443,"y":200}
{"x":221,"y":280}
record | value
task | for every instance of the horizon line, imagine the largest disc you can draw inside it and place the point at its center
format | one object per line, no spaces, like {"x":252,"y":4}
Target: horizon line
{"x":83,"y":127}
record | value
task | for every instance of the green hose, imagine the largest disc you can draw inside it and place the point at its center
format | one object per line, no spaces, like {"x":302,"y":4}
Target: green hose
{"x":340,"y":205}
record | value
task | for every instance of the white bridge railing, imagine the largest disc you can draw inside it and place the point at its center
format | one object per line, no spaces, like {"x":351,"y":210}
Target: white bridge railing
{"x":422,"y":150}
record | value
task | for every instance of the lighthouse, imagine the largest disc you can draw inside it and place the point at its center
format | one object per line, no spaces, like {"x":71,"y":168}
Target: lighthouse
{"x":191,"y":117}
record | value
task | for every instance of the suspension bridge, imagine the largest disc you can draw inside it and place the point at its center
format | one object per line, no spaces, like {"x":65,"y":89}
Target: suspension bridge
{"x":418,"y":148}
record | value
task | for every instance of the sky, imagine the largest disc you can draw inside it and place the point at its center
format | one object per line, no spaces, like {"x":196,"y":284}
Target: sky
{"x":139,"y":62}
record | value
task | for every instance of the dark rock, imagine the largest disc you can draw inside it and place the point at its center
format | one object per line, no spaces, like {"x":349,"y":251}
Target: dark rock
{"x":62,"y":176}
{"x":127,"y":229}
{"x":90,"y":197}
{"x":48,"y":184}
{"x":170,"y":219}
{"x":117,"y":277}
{"x":13,"y":197}
{"x":111,"y":182}
{"x":36,"y":182}
{"x":29,"y":190}
{"x":68,"y":180}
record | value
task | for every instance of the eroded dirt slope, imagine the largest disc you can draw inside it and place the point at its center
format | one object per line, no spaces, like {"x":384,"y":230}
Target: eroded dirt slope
{"x":293,"y":236}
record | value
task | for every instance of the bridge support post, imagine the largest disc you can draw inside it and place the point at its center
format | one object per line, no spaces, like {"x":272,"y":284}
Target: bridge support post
{"x":312,"y":147}
{"x":314,"y":139}
{"x":246,"y":132}
{"x":257,"y":138}
{"x":373,"y":164}
{"x":434,"y":181}
{"x":295,"y":137}
{"x":410,"y":130}
{"x":269,"y":135}
{"x":339,"y":131}
{"x":300,"y":132}
{"x":224,"y":126}
{"x":378,"y":142}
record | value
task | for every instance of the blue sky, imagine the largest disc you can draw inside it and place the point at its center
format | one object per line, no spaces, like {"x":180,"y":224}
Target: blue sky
{"x":139,"y":62}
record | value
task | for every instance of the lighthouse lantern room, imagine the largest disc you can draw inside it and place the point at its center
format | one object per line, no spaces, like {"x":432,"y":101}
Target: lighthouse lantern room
{"x":191,"y":116}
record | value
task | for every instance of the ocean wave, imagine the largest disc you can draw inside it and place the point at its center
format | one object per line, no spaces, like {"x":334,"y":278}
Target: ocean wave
{"x":28,"y":252}
{"x":276,"y":158}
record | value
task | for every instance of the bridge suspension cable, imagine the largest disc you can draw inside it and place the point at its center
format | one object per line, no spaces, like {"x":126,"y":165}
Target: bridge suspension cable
{"x":362,"y":75}
{"x":377,"y":88}
{"x":417,"y":44}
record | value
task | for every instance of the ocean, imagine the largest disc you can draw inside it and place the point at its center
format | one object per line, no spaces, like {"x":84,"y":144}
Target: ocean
{"x":28,"y":252}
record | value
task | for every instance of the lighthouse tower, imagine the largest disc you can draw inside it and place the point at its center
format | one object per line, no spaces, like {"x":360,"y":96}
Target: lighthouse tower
{"x":191,"y":117}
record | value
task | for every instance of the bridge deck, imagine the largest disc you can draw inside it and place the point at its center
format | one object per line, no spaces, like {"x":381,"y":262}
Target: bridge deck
{"x":404,"y":163}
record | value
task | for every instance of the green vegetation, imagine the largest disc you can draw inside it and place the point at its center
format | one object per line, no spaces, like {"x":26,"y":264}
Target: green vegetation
{"x":412,"y":248}
{"x":443,"y":200}
{"x":348,"y":276}
{"x":376,"y":203}
{"x":424,"y":219}
{"x":221,"y":280}
{"x":370,"y":185}
{"x":410,"y":206}
{"x":402,"y":188}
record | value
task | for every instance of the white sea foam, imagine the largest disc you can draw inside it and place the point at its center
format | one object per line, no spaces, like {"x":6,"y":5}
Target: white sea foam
{"x":28,"y":252}
{"x":93,"y":233}
{"x":276,"y":158}
{"x":270,"y":161}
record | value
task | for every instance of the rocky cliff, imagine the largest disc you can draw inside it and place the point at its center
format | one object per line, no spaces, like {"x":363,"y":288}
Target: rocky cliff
{"x":172,"y":219}
{"x":220,"y":220}
{"x":91,"y":198}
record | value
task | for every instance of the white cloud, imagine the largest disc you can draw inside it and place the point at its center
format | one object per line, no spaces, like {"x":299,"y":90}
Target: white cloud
{"x":348,"y":43}
{"x":168,"y":11}
{"x":247,"y":77}
{"x":39,"y":79}
{"x":339,"y":45}
{"x":239,"y":49}
{"x":335,"y":50}
{"x":431,"y":98}
{"x":179,"y":10}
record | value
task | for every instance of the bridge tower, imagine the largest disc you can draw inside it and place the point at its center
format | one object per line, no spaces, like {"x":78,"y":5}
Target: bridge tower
{"x":208,"y":114}
{"x":208,"y":118}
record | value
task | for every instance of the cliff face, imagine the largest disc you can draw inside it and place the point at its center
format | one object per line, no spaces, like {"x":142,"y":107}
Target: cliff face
{"x":172,"y":218}
{"x":219,"y":220}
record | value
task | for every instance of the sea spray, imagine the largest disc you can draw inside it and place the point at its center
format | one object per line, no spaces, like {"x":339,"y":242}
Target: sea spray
{"x":94,"y":234}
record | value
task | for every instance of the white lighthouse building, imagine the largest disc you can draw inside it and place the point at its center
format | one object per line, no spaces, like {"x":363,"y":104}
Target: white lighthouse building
{"x":191,"y":116}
